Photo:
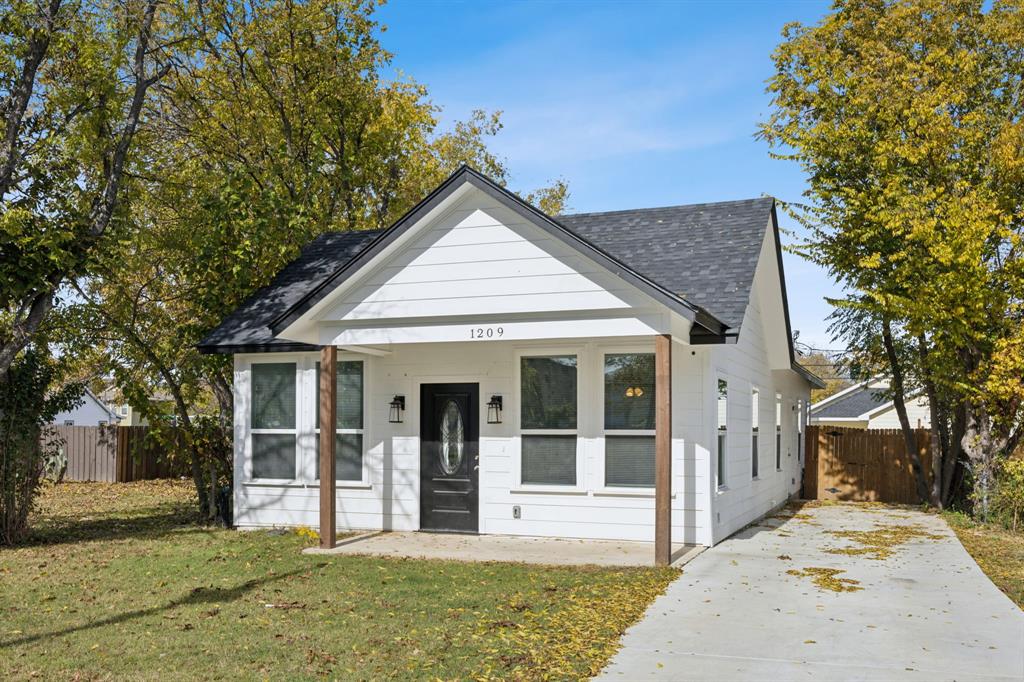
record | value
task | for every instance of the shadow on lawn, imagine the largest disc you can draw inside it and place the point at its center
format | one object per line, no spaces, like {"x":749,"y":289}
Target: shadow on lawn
{"x":144,"y":524}
{"x":199,"y":595}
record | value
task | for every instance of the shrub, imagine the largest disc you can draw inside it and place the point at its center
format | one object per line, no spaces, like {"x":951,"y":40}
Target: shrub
{"x":27,"y":407}
{"x":1009,"y":497}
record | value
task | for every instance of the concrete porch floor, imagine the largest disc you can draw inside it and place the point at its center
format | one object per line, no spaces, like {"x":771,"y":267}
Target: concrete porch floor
{"x":530,"y":550}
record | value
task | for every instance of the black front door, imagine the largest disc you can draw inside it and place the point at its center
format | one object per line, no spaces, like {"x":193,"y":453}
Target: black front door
{"x":449,"y":457}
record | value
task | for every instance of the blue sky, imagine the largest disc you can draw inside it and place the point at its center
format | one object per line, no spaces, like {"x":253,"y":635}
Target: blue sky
{"x":634,"y":104}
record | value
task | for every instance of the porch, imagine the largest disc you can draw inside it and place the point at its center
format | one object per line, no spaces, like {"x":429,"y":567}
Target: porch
{"x":505,"y":548}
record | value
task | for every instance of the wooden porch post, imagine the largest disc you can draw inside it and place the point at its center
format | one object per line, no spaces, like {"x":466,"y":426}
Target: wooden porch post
{"x":327,"y":407}
{"x":663,"y":449}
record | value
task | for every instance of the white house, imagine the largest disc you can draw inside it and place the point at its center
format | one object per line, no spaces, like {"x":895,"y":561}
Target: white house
{"x":90,"y":411}
{"x":623,"y":375}
{"x":867,"y":405}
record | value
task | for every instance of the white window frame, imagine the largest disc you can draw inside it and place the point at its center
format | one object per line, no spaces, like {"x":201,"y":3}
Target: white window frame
{"x":274,"y":359}
{"x":517,"y":417}
{"x":780,"y":408}
{"x":722,"y":453}
{"x":364,"y":474}
{"x":755,"y":430}
{"x":603,"y":351}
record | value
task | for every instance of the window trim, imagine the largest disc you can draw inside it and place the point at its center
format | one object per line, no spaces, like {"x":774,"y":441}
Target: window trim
{"x":363,"y":480}
{"x":518,"y":432}
{"x":780,"y":407}
{"x":755,"y":433}
{"x":721,"y":446}
{"x":274,"y":359}
{"x":605,"y":488}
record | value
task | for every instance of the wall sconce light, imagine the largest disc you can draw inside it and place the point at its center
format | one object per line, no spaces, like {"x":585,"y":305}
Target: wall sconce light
{"x":634,"y":391}
{"x":397,"y":409}
{"x":494,"y":410}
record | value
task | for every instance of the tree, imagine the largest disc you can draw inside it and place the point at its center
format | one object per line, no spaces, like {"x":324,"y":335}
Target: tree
{"x":279,"y":128}
{"x":74,"y":77}
{"x":906,"y":116}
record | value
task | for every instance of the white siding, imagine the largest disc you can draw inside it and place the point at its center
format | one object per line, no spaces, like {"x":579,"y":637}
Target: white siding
{"x":917,"y":413}
{"x":480,"y":258}
{"x":390,"y":497}
{"x":746,"y":366}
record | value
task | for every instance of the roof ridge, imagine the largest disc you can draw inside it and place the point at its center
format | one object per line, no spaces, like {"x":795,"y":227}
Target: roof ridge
{"x":664,"y":208}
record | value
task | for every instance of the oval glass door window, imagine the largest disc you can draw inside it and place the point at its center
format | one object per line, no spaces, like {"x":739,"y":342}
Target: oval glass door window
{"x":452,"y":438}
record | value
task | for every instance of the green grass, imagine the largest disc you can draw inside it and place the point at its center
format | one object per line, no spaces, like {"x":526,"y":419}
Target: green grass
{"x":998,"y":551}
{"x":118,"y":582}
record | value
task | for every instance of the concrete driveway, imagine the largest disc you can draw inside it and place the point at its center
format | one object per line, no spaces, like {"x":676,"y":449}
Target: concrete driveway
{"x":750,"y":609}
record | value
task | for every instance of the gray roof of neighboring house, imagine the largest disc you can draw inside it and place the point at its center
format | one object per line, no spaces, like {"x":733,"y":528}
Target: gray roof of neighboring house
{"x":853,"y":404}
{"x":704,"y":254}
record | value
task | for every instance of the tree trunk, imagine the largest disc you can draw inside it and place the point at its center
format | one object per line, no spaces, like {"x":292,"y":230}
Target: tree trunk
{"x":938,"y":436}
{"x":899,"y":395}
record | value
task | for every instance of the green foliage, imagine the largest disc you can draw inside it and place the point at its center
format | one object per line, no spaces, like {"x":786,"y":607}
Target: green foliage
{"x":28,"y":404}
{"x":906,"y":117}
{"x":1009,"y":494}
{"x":280,"y":126}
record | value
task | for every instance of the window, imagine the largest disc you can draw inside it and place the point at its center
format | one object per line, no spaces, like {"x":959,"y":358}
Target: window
{"x":723,"y":421}
{"x":69,"y":422}
{"x":124,"y":410}
{"x":348,"y":431}
{"x":755,"y":463}
{"x":778,"y":432}
{"x":800,"y":430}
{"x":548,"y":420}
{"x":273,"y":420}
{"x":629,"y":420}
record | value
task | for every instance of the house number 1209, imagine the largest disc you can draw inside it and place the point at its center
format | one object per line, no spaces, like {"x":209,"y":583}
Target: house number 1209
{"x":486,"y":332}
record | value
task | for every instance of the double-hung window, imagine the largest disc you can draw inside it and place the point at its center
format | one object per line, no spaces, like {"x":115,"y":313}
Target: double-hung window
{"x":548,"y":420}
{"x":778,"y":432}
{"x":723,"y":430}
{"x":755,"y":408}
{"x":629,"y":420}
{"x":273,"y":415}
{"x":348,"y":432}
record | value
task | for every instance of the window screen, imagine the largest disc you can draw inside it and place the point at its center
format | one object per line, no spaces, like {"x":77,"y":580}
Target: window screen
{"x":549,"y":460}
{"x":349,"y":398}
{"x":273,"y":455}
{"x":629,"y":461}
{"x":629,"y":391}
{"x":273,"y":395}
{"x":348,"y":456}
{"x":549,"y":392}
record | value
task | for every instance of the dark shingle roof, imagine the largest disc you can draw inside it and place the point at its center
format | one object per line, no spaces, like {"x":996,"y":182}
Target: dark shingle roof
{"x":248,"y":327}
{"x":705,"y":253}
{"x":853,"y":404}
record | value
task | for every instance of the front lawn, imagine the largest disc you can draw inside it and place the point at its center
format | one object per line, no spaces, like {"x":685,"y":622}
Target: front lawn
{"x":998,"y":551}
{"x":118,"y":582}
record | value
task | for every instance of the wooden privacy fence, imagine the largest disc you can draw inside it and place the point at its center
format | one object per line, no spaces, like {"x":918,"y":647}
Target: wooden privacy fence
{"x":116,"y":454}
{"x":867,"y":465}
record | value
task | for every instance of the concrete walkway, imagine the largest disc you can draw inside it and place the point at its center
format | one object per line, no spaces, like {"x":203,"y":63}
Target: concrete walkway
{"x":551,"y":551}
{"x":925,"y":612}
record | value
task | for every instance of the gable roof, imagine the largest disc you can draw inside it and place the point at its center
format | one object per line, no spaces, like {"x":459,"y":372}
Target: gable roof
{"x":707,"y":325}
{"x":705,"y":253}
{"x":699,"y":260}
{"x":247,"y":329}
{"x":853,"y":403}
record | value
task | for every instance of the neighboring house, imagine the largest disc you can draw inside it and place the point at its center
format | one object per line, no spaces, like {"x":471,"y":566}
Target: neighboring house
{"x":502,"y":371}
{"x":130,"y":415}
{"x":91,"y":411}
{"x":867,"y":406}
